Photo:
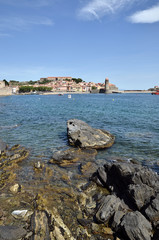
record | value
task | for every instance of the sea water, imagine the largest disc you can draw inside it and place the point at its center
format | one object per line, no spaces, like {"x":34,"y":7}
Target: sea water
{"x":38,"y":122}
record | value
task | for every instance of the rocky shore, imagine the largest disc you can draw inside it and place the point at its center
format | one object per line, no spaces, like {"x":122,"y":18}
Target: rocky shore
{"x":118,"y":200}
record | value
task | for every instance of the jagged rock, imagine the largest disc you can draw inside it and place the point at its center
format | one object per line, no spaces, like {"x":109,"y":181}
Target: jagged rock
{"x":40,"y":225}
{"x":12,"y":232}
{"x":72,"y":155}
{"x":107,"y":207}
{"x":3,"y":146}
{"x":80,"y":134}
{"x":152,"y":211}
{"x":135,"y":226}
{"x":141,"y":194}
{"x":61,"y":231}
{"x":117,"y":219}
{"x":138,"y":188}
{"x":131,"y":182}
{"x":102,"y":175}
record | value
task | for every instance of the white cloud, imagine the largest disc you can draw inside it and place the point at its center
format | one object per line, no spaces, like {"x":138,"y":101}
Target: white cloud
{"x":20,"y":24}
{"x":98,"y":8}
{"x":150,"y":15}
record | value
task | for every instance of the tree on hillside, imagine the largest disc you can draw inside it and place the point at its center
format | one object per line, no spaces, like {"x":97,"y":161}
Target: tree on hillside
{"x":6,"y":82}
{"x":77,"y":80}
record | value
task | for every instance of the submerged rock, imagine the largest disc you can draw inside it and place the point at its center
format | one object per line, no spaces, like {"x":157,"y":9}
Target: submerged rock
{"x":80,"y":134}
{"x":3,"y":146}
{"x":12,"y":232}
{"x":72,"y":155}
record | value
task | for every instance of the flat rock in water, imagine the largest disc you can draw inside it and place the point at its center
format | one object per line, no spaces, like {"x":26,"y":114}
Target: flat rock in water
{"x":80,"y":134}
{"x":72,"y":155}
{"x":12,"y":232}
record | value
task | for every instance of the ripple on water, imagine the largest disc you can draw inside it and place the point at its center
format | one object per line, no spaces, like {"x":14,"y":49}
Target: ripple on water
{"x":132,"y":118}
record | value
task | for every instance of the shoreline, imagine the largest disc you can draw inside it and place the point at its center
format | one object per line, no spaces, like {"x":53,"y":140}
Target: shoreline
{"x":69,"y":93}
{"x":86,"y":193}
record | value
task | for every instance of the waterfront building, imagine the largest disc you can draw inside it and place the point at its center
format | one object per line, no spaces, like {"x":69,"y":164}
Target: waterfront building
{"x":109,"y":87}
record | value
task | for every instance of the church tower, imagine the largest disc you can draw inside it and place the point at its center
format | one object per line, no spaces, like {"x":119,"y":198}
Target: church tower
{"x":107,"y":85}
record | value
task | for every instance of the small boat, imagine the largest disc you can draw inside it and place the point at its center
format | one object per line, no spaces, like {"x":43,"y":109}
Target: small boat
{"x":69,"y":96}
{"x":155,"y":93}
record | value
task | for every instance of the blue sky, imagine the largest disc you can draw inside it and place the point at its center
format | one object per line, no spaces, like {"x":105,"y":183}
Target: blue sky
{"x":90,"y":39}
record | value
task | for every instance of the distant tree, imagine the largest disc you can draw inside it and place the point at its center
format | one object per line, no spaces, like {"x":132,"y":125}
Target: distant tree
{"x":6,"y":82}
{"x":24,"y":89}
{"x":13,"y":82}
{"x":32,"y":82}
{"x":94,"y":87}
{"x":77,"y":80}
{"x":45,"y":81}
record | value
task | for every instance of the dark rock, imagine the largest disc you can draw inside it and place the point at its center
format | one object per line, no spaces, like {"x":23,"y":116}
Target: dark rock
{"x":135,"y":226}
{"x":84,"y":222}
{"x":3,"y":146}
{"x":107,"y":207}
{"x":156,"y":235}
{"x":80,"y":134}
{"x":117,"y":219}
{"x":135,"y":184}
{"x":12,"y":232}
{"x":141,"y":194}
{"x":102,"y":175}
{"x":146,"y":176}
{"x":152,"y":211}
{"x":134,"y":188}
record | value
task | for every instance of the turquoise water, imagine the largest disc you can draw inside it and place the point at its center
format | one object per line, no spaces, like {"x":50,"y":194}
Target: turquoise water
{"x":38,"y":122}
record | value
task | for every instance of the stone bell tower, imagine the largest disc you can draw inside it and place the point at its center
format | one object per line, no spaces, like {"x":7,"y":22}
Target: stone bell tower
{"x":107,"y":85}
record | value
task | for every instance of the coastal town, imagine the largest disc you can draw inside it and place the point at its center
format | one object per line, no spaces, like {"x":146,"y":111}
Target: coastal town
{"x":55,"y":85}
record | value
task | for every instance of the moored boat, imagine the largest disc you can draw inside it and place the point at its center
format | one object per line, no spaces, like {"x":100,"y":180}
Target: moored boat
{"x":155,"y":93}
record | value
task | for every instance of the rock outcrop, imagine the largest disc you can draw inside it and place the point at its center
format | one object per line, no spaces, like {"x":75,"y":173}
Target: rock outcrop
{"x":80,"y":134}
{"x":132,"y":208}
